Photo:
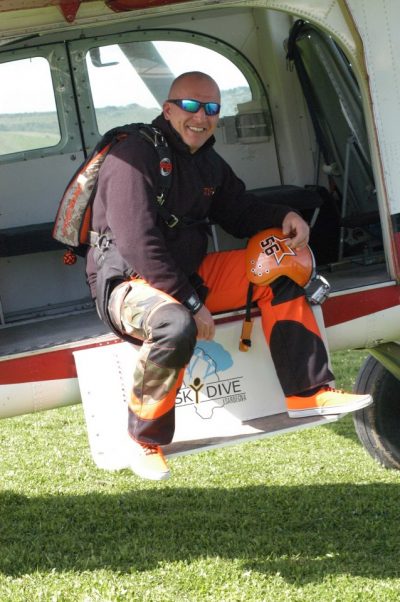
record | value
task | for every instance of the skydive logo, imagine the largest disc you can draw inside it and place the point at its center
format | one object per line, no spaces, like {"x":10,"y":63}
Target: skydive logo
{"x":203,"y":387}
{"x":215,"y":391}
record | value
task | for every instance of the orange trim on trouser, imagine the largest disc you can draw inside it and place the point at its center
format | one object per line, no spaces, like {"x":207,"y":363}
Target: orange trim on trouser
{"x":148,"y":408}
{"x":169,"y":336}
{"x":141,"y":282}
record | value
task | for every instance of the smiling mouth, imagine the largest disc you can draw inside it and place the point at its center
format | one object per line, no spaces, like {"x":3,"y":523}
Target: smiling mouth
{"x":196,"y":129}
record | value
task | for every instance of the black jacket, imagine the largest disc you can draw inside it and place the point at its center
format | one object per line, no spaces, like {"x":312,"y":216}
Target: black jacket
{"x":203,"y":185}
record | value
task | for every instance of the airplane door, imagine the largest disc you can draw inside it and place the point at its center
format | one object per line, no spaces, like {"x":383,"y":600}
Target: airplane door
{"x":39,"y":129}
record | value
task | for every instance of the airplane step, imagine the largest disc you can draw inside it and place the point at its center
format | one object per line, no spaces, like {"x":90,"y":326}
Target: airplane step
{"x":258,"y":428}
{"x":227,"y":397}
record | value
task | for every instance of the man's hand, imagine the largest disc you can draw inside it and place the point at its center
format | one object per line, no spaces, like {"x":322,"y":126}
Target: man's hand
{"x":205,"y":324}
{"x":297,"y":229}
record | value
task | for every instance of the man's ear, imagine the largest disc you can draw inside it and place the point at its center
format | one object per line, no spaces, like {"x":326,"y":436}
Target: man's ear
{"x":167,"y":110}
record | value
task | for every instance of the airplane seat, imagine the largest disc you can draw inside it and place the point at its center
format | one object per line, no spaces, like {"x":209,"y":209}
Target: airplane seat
{"x":306,"y":201}
{"x":317,"y":206}
{"x":32,"y":238}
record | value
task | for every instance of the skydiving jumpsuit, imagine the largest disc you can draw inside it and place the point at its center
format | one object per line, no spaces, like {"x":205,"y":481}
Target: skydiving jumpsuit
{"x":159,"y":271}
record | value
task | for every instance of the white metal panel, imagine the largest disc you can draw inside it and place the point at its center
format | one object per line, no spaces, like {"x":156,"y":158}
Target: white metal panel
{"x":326,"y":13}
{"x":30,"y":190}
{"x":40,"y":280}
{"x":231,"y":387}
{"x":38,"y":396}
{"x":365,"y":332}
{"x":377,"y":22}
{"x":292,"y":127}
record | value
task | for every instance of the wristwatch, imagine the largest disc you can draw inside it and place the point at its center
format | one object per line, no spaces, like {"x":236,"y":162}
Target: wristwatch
{"x":193,"y":304}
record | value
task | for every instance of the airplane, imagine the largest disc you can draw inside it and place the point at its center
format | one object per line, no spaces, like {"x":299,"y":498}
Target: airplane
{"x":310,"y":102}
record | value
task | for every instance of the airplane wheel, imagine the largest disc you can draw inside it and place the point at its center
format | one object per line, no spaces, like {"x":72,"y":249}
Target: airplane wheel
{"x":378,"y":425}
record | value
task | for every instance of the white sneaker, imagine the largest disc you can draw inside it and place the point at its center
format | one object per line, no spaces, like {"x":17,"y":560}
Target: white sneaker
{"x":325,"y":402}
{"x":148,"y":461}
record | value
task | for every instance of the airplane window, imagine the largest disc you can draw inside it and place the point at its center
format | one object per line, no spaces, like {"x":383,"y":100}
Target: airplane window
{"x":130,"y":81}
{"x":28,"y":117}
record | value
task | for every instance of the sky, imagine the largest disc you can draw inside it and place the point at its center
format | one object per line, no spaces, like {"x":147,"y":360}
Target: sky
{"x":20,"y":77}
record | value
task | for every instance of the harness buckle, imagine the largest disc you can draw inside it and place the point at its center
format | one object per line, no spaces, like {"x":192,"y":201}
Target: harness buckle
{"x":172,"y":221}
{"x":101,"y":241}
{"x":160,"y":198}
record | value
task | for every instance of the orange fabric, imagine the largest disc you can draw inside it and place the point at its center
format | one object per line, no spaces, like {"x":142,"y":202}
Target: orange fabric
{"x":143,"y":282}
{"x":225,"y":275}
{"x":158,"y":407}
{"x":296,"y":309}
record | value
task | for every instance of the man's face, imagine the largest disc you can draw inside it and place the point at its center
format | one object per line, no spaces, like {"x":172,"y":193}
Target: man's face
{"x":194,"y":128}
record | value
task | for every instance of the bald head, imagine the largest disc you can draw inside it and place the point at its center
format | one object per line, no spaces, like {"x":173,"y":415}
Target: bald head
{"x":195,"y":80}
{"x":194,"y":128}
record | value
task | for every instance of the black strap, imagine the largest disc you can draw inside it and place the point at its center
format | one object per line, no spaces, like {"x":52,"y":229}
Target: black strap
{"x":156,"y":137}
{"x":184,"y":222}
{"x":245,"y":338}
{"x":313,"y":110}
{"x":294,"y":55}
{"x":249,"y":302}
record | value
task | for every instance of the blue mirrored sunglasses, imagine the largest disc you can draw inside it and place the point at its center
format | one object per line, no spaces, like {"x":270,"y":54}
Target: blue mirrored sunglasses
{"x":192,"y":106}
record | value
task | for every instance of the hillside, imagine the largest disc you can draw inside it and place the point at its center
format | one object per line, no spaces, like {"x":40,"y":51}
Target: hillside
{"x":27,"y":131}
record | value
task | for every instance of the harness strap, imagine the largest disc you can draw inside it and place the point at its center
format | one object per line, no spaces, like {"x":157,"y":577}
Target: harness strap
{"x":245,"y":337}
{"x":94,"y":239}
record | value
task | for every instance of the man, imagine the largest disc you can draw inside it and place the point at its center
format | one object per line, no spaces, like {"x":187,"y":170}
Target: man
{"x":156,"y":283}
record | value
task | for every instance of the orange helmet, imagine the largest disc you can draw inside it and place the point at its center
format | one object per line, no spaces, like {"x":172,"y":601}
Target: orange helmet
{"x":268,"y":256}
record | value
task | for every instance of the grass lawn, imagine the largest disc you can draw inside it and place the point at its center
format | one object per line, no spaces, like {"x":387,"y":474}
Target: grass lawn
{"x":307,"y":516}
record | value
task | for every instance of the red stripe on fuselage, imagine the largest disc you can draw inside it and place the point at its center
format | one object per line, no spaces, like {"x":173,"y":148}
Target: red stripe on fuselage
{"x":49,"y":365}
{"x":59,"y":364}
{"x":345,"y":308}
